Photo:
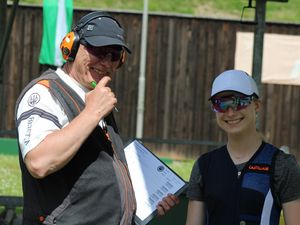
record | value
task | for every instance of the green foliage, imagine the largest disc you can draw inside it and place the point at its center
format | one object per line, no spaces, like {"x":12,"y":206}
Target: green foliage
{"x":284,"y":11}
{"x":230,"y":9}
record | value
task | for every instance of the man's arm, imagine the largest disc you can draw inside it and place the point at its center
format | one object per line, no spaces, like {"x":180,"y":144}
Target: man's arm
{"x":60,"y":146}
{"x":291,"y":212}
{"x":195,"y":213}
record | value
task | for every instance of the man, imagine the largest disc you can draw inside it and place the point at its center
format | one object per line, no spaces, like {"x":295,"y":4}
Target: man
{"x":71,"y":156}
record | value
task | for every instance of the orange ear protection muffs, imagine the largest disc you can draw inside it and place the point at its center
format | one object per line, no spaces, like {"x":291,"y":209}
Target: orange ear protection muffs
{"x":69,"y":46}
{"x":70,"y":43}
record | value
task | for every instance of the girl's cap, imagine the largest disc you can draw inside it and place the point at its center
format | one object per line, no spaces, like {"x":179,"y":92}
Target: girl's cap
{"x":234,"y":80}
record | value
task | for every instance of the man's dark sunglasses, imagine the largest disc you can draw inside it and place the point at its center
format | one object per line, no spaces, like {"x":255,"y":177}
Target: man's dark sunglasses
{"x":115,"y":53}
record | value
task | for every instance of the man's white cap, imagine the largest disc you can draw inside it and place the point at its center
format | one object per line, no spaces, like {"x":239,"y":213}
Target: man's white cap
{"x":234,"y":80}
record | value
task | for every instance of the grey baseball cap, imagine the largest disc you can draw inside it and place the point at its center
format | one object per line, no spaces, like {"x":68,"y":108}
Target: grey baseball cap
{"x":103,"y":31}
{"x":234,"y":80}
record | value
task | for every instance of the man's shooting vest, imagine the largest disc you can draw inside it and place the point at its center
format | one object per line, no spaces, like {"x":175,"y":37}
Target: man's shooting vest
{"x":94,"y":188}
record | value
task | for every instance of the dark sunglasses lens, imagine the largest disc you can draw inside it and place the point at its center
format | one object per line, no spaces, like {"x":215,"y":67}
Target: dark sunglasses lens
{"x":101,"y":53}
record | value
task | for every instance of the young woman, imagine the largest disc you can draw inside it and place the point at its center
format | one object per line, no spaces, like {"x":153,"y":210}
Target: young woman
{"x":247,"y":181}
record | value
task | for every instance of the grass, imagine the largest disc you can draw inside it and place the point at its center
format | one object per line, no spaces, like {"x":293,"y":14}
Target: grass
{"x":275,"y":11}
{"x":182,"y":168}
{"x":10,"y":175}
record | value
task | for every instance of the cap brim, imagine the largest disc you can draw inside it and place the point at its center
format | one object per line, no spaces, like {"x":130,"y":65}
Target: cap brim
{"x":99,"y":41}
{"x":214,"y":95}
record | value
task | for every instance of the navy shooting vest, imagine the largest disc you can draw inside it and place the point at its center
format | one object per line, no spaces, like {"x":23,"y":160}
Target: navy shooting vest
{"x":246,"y":198}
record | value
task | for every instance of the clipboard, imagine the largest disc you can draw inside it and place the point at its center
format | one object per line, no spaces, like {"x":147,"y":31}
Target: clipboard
{"x":152,"y":180}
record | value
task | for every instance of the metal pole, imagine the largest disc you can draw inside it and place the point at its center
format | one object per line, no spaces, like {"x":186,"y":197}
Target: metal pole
{"x":142,"y":79}
{"x":260,"y":15}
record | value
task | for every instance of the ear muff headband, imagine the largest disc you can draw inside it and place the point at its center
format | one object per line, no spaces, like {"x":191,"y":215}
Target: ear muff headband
{"x":70,"y":43}
{"x":91,"y":16}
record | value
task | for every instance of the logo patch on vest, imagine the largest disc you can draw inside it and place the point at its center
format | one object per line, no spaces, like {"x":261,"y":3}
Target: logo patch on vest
{"x":33,"y":99}
{"x":259,"y":168}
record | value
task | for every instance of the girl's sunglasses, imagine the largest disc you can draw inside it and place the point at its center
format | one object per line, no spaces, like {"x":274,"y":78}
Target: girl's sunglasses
{"x":114,"y":54}
{"x":237,"y":103}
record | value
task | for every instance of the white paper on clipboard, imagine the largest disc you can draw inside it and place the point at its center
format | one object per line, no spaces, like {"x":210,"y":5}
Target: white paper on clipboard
{"x":152,"y":180}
